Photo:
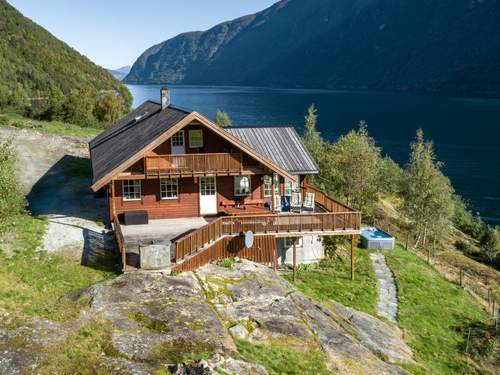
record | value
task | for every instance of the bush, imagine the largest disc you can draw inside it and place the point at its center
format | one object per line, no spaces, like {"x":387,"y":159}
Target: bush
{"x":466,"y":221}
{"x":12,"y":200}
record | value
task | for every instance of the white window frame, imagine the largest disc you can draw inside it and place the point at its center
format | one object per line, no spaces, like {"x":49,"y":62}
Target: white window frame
{"x":288,"y":242}
{"x":179,"y":136}
{"x":165,"y":188}
{"x":192,"y":144}
{"x":290,"y":187}
{"x":132,"y":187}
{"x":237,"y":185}
{"x":267,"y":185}
{"x":276,"y":178}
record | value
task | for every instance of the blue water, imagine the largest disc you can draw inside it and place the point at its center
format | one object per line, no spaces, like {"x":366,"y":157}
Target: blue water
{"x":374,"y":234}
{"x":466,"y":132}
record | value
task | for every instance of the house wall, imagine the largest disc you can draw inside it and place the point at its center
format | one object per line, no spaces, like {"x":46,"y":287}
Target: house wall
{"x":187,"y":204}
{"x":312,"y":250}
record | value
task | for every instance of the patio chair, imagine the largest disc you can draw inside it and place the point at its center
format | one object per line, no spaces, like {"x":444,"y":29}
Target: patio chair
{"x":295,"y":204}
{"x":308,"y":204}
{"x":277,"y":203}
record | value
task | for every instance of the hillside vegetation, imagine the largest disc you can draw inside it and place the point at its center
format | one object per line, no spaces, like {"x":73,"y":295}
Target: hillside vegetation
{"x":431,"y":46}
{"x":62,"y":83}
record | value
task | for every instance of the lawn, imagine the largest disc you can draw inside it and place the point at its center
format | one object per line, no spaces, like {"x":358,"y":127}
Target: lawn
{"x":35,"y":283}
{"x":435,"y":315}
{"x":331,"y":279}
{"x":51,"y":127}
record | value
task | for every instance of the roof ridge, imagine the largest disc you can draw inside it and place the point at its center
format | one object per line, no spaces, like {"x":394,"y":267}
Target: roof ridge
{"x":260,"y":126}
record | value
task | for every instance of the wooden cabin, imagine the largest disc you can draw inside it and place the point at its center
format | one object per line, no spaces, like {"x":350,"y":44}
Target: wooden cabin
{"x":169,"y":167}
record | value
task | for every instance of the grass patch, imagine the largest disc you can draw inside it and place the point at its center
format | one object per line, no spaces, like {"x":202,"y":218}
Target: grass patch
{"x":227,"y":262}
{"x":280,"y":359}
{"x":82,"y":352}
{"x":331,"y":279}
{"x":35,"y":283}
{"x":149,"y":323}
{"x":434,"y":313}
{"x":182,"y":351}
{"x":51,"y":127}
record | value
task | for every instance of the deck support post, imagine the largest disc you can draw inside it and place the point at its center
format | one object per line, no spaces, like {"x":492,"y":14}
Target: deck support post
{"x":353,"y":255}
{"x":113,"y":206}
{"x":273,"y":199}
{"x":294,"y":259}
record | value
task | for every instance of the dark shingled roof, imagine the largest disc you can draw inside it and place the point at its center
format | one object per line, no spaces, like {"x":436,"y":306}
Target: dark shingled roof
{"x":282,"y":145}
{"x":128,"y":136}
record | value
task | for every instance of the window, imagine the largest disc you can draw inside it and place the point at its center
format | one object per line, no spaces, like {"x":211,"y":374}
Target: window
{"x":195,"y":138}
{"x":178,"y":139}
{"x":276,"y":184}
{"x":242,"y":186}
{"x":207,"y":186}
{"x":131,"y":190}
{"x":290,"y":187}
{"x":169,"y":188}
{"x":288,"y":242}
{"x":268,"y":186}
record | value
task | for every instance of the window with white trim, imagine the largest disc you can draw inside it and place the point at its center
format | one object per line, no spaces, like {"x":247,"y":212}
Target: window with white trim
{"x":276,"y":184}
{"x":268,"y":186}
{"x":178,"y":139}
{"x":288,"y":242}
{"x":169,"y":188}
{"x":241,"y":186}
{"x":195,"y":138}
{"x":131,"y":190}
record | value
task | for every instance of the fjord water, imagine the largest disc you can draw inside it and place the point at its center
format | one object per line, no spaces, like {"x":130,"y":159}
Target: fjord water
{"x":465,"y":131}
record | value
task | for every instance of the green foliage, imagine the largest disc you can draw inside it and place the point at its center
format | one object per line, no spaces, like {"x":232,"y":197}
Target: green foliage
{"x":279,"y":358}
{"x":109,"y":108}
{"x":428,"y":194}
{"x":391,"y":176}
{"x":353,"y":167}
{"x":490,"y":244}
{"x":227,"y":262}
{"x":464,"y":246}
{"x":55,"y":105}
{"x":18,"y":98}
{"x":33,"y":59}
{"x":12,"y":200}
{"x":222,"y":119}
{"x":79,"y":108}
{"x":434,"y":313}
{"x":331,"y":279}
{"x":465,"y":220}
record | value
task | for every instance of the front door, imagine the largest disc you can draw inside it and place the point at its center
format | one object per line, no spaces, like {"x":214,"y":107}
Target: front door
{"x":208,"y":196}
{"x":178,"y":143}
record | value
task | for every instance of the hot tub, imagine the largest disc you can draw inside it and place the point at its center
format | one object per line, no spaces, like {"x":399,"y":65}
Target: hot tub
{"x":376,"y":239}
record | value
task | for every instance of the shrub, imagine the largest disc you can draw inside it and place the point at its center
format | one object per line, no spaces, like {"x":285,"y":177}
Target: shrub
{"x":12,"y":200}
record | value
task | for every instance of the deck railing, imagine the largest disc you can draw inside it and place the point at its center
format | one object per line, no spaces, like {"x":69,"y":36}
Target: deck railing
{"x":120,"y":242}
{"x":292,"y":224}
{"x":194,"y":163}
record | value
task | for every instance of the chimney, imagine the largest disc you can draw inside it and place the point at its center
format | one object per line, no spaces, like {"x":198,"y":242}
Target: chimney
{"x":165,"y":97}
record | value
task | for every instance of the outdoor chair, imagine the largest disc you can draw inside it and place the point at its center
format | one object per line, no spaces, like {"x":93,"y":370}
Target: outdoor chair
{"x":295,"y":204}
{"x":308,"y":204}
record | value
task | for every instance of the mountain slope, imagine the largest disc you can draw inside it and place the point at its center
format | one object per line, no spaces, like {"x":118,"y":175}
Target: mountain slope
{"x":120,"y":73}
{"x":450,"y":46}
{"x":33,"y":57}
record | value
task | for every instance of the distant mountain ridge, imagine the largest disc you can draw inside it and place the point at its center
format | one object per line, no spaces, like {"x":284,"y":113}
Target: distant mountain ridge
{"x":34,"y":58}
{"x":446,"y":46}
{"x":120,"y":73}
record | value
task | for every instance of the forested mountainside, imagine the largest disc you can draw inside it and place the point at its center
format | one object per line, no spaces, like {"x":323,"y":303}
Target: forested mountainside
{"x":446,"y":46}
{"x":34,"y":58}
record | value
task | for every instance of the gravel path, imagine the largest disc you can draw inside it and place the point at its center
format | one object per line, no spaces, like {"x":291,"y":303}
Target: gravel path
{"x":388,"y":298}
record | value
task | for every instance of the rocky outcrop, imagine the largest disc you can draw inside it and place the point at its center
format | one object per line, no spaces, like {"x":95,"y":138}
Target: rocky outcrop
{"x":189,"y":323}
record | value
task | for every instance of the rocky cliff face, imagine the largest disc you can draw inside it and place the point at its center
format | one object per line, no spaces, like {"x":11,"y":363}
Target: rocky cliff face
{"x":446,"y":46}
{"x":158,"y":321}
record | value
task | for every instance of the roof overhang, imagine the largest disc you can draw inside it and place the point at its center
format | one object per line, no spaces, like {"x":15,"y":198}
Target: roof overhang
{"x":193,"y":116}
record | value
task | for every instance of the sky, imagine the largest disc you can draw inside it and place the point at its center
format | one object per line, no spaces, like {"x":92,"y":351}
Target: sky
{"x":114,"y":33}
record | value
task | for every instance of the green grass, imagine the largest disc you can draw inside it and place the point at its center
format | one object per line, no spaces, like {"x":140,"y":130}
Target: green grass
{"x":50,"y":127}
{"x":331,"y":279}
{"x":35,"y":283}
{"x":281,"y":359}
{"x":435,"y":315}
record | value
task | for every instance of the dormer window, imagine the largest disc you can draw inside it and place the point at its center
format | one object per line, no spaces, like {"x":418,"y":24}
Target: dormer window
{"x":195,"y":138}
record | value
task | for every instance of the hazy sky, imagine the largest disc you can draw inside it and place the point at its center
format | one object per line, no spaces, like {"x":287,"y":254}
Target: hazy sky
{"x":114,"y":33}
